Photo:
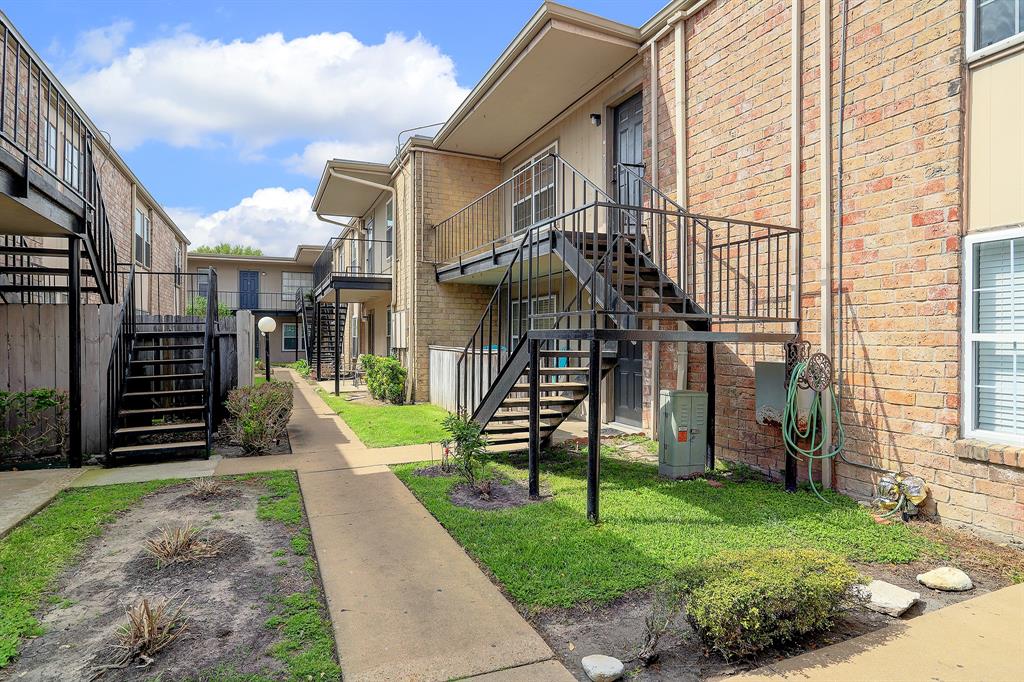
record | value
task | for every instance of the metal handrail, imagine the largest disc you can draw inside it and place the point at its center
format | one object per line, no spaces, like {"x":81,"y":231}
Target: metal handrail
{"x":121,"y":352}
{"x":728,"y":271}
{"x":374,"y":258}
{"x":210,"y":363}
{"x":46,"y":126}
{"x":513,"y":207}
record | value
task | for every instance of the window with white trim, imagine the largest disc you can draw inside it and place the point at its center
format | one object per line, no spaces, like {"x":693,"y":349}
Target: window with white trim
{"x":994,"y":336}
{"x":51,"y":147}
{"x":533,"y":190}
{"x":143,"y":238}
{"x":72,"y":164}
{"x":993,"y":24}
{"x":292,"y":281}
{"x":179,"y":263}
{"x":389,"y":228}
{"x":291,"y":339}
{"x":542,"y":305}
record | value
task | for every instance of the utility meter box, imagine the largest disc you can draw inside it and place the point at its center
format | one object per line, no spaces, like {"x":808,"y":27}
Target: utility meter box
{"x":683,"y":438}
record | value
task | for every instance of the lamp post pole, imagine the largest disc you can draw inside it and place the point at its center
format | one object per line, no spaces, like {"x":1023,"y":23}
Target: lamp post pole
{"x":266,"y":354}
{"x":267,"y":325}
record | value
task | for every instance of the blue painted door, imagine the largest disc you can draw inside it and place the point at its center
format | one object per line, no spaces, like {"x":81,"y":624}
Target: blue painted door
{"x":248,"y":289}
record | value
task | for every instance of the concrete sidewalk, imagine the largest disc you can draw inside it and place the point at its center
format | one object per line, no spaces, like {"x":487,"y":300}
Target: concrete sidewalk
{"x":406,"y":602}
{"x":974,"y":640}
{"x":23,"y":493}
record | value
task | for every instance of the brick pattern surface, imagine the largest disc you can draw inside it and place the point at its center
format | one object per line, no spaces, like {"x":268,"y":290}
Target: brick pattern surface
{"x":901,"y":221}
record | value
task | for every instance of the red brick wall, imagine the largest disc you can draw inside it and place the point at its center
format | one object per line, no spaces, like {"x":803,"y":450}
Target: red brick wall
{"x":901,"y":218}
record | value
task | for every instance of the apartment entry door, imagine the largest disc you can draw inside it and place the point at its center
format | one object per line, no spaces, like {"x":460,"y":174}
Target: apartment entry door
{"x":629,"y":135}
{"x":248,"y":289}
{"x":629,"y":154}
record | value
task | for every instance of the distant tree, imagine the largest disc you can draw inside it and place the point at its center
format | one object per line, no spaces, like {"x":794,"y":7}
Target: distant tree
{"x":230,"y":249}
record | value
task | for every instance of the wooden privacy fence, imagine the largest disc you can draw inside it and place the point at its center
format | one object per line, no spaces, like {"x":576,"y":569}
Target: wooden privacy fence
{"x":34,"y":354}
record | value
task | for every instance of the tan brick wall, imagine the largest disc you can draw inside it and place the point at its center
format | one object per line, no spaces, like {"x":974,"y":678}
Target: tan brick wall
{"x":444,"y":314}
{"x":902,"y":228}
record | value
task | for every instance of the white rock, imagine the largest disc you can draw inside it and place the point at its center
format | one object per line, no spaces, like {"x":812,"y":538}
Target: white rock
{"x":946,"y":578}
{"x":890,"y":599}
{"x":602,"y":668}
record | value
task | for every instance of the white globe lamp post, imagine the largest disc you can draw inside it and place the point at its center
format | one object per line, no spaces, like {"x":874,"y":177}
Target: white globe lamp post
{"x":267,"y":325}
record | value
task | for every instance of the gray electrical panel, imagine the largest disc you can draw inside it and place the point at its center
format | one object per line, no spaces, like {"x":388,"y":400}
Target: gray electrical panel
{"x":682,"y":443}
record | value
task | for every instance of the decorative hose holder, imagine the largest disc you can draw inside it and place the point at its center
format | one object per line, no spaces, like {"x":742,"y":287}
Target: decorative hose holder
{"x":900,"y":494}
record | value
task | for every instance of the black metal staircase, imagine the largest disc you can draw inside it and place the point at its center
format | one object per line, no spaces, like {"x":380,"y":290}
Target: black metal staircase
{"x":324,"y":329}
{"x":638,"y":273}
{"x":162,"y":378}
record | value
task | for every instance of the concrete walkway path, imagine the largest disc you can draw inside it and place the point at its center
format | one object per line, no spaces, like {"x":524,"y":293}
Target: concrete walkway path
{"x":23,"y":493}
{"x":406,"y":602}
{"x":978,"y":639}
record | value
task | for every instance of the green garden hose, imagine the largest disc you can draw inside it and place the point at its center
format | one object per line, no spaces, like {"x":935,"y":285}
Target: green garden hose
{"x":813,"y":431}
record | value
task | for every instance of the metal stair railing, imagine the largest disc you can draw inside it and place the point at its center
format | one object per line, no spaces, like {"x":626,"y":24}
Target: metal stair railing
{"x":121,"y":352}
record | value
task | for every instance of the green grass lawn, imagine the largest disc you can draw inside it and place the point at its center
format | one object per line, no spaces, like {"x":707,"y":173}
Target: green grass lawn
{"x":381,"y":426}
{"x":548,"y":554}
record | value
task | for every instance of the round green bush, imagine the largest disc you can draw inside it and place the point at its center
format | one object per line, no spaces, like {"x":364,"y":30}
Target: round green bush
{"x":741,"y":603}
{"x":385,"y":378}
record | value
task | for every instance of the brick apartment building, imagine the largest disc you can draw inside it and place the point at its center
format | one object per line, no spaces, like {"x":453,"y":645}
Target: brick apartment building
{"x":922,"y":261}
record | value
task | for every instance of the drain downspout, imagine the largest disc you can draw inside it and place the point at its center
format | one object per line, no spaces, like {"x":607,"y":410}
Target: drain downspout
{"x":825,"y":210}
{"x":656,"y":345}
{"x":682,"y":193}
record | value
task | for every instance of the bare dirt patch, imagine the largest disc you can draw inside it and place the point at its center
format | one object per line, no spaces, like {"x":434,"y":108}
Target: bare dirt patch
{"x":227,"y":594}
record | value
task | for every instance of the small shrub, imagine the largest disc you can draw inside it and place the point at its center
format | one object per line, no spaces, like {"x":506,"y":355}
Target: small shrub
{"x":150,"y":629}
{"x":385,"y":378}
{"x":463,"y":449}
{"x":206,"y":487}
{"x":181,"y":544}
{"x":259,"y":414}
{"x":302,"y":367}
{"x":743,"y":602}
{"x":197,"y":308}
{"x":33,"y":422}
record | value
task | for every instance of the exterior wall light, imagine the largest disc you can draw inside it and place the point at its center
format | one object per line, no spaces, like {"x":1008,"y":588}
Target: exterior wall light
{"x":596,"y":120}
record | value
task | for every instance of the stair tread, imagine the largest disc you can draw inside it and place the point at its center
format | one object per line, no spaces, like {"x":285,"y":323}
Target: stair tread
{"x":172,"y":346}
{"x":163,"y":377}
{"x":152,"y":447}
{"x":515,"y":428}
{"x":169,"y":333}
{"x":160,"y":410}
{"x":176,"y":391}
{"x":554,"y":386}
{"x":509,"y":415}
{"x":544,"y":400}
{"x":167,"y":361}
{"x":161,"y":428}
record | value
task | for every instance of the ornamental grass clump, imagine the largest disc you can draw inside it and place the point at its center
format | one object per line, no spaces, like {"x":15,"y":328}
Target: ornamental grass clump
{"x":259,"y":415}
{"x":181,"y":544}
{"x":741,"y":603}
{"x":150,"y":628}
{"x":385,"y":378}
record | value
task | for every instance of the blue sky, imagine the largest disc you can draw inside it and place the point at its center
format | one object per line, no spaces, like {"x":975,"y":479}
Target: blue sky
{"x":228,"y":125}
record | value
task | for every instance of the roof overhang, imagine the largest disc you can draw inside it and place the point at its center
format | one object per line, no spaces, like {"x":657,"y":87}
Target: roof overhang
{"x":350,"y":188}
{"x":559,"y":56}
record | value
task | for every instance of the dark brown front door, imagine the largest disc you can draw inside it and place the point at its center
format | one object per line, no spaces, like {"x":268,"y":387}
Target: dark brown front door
{"x":629,"y":135}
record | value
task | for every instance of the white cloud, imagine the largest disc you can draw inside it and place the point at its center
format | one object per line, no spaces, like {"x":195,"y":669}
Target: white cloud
{"x":187,"y":91}
{"x":100,"y":45}
{"x":273,"y":219}
{"x":311,"y":161}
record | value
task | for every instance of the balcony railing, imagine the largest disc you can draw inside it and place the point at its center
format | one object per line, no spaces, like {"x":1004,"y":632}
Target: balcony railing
{"x":353,"y":257}
{"x":548,"y":187}
{"x":44,"y":126}
{"x":255,"y":300}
